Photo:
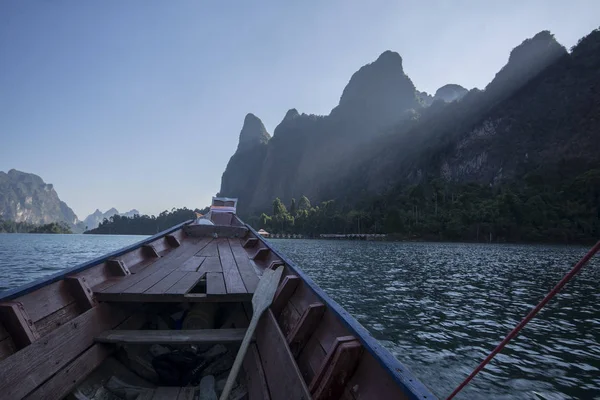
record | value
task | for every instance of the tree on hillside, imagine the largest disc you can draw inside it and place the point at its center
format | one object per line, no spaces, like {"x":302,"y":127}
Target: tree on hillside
{"x":304,"y":204}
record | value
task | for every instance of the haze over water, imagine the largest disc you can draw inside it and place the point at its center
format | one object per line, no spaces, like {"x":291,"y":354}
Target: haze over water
{"x":440,"y":308}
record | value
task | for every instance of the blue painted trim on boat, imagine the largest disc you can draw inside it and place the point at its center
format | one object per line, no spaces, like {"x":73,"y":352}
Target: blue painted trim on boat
{"x":411,"y":386}
{"x":30,"y":287}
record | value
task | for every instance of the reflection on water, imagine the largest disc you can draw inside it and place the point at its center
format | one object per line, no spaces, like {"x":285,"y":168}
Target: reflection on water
{"x":441,"y":308}
{"x":27,"y":256}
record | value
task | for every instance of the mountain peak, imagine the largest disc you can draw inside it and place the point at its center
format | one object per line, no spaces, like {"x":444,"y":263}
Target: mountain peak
{"x":450,"y":92}
{"x":291,"y":114}
{"x":377,"y":95}
{"x":253,"y":132}
{"x":527,"y":60}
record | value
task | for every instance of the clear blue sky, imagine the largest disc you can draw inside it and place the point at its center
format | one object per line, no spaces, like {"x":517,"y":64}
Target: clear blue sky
{"x":138,"y":104}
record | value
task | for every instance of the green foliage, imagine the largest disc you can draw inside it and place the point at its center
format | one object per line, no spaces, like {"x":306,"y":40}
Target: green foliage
{"x":278,"y":207}
{"x":293,"y":207}
{"x":144,"y":224}
{"x":54,"y":227}
{"x":15,"y":227}
{"x":304,"y":204}
{"x":544,"y":209}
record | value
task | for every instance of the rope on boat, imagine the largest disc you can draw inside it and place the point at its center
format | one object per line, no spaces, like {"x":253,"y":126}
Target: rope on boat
{"x":528,"y":318}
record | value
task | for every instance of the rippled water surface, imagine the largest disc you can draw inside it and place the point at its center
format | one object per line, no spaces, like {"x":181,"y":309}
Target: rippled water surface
{"x":441,"y":308}
{"x":26,"y":257}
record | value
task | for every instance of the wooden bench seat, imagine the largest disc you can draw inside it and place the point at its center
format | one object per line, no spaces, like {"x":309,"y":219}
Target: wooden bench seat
{"x":196,"y":336}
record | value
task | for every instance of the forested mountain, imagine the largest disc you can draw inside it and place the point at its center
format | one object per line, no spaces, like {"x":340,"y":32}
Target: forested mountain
{"x":144,"y":224}
{"x":518,"y":160}
{"x":27,"y":198}
{"x":93,"y":220}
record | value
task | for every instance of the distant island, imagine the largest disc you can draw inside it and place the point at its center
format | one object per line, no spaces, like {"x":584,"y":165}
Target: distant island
{"x":54,"y":227}
{"x":144,"y":224}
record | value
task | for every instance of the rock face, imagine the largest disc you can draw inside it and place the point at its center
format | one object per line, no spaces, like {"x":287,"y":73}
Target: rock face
{"x":450,"y":93}
{"x":93,"y":220}
{"x":253,"y":133}
{"x":385,"y":132}
{"x":27,"y":198}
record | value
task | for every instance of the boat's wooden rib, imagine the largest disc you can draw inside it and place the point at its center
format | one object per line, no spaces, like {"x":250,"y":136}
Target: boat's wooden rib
{"x":18,"y":324}
{"x":200,"y":336}
{"x":284,"y":292}
{"x":83,"y":294}
{"x":305,"y":327}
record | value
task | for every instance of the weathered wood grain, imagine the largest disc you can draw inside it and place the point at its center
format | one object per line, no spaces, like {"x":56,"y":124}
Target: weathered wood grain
{"x":46,"y":300}
{"x":185,"y":284}
{"x":18,"y":323}
{"x":43,"y":358}
{"x":7,"y":348}
{"x":81,"y":291}
{"x":255,"y":375}
{"x":210,"y":250}
{"x":215,"y":284}
{"x":283,"y":377}
{"x":167,"y":282}
{"x":187,"y":336}
{"x":310,"y":359}
{"x":339,"y":371}
{"x":284,"y":292}
{"x":210,"y":264}
{"x":59,"y":317}
{"x":327,"y":362}
{"x":231,"y":274}
{"x":192,"y":264}
{"x":305,"y":327}
{"x":72,"y":375}
{"x":244,"y":265}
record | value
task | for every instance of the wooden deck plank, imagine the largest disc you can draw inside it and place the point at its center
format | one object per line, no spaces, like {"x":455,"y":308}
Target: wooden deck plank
{"x":211,"y":264}
{"x":43,"y":358}
{"x":185,"y":284}
{"x":149,"y":281}
{"x":192,"y":264}
{"x":187,"y":336}
{"x":169,"y":262}
{"x":210,"y":250}
{"x":245,"y":267}
{"x":173,"y":298}
{"x":165,"y":284}
{"x":215,"y":284}
{"x":283,"y":377}
{"x":231,"y":274}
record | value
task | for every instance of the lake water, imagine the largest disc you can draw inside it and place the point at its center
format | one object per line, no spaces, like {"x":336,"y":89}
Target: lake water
{"x":439,"y":308}
{"x":25,"y":257}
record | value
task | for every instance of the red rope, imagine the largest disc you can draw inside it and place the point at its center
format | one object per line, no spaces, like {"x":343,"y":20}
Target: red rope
{"x":529,"y":317}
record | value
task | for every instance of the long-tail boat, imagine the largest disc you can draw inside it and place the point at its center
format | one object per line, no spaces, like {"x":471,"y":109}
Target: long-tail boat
{"x":164,"y":319}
